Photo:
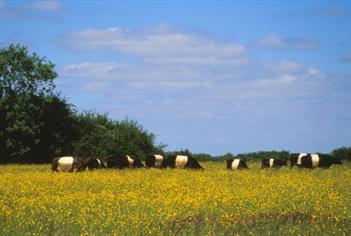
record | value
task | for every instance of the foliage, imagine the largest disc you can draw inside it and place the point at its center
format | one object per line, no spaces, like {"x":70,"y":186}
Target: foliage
{"x":264,"y":154}
{"x":24,"y":74}
{"x":202,"y":156}
{"x":185,"y":152}
{"x":216,"y":201}
{"x":35,"y":122}
{"x":343,"y":153}
{"x":245,"y":156}
{"x":101,"y":137}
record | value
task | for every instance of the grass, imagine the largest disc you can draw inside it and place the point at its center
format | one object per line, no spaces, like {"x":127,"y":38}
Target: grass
{"x":35,"y":201}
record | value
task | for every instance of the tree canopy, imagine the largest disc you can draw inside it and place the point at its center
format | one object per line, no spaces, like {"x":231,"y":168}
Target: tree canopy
{"x":37,"y":124}
{"x":31,"y":114}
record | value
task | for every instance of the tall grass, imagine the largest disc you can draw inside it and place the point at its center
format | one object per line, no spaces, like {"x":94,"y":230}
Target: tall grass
{"x":35,"y":201}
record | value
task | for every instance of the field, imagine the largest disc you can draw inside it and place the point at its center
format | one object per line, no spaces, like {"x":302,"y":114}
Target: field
{"x":35,"y":201}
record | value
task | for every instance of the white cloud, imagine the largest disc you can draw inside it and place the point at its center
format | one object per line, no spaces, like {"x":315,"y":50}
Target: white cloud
{"x":159,"y":45}
{"x":96,"y":86}
{"x":173,"y":76}
{"x":118,"y":71}
{"x":31,"y":10}
{"x":44,"y":5}
{"x":284,"y":66}
{"x":171,"y":85}
{"x":226,"y":84}
{"x":315,"y":73}
{"x":278,"y":42}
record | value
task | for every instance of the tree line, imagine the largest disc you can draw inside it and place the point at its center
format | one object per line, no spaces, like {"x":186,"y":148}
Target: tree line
{"x":37,"y":123}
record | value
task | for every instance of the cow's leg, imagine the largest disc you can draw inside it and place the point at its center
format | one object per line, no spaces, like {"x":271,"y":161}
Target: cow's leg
{"x":54,"y":167}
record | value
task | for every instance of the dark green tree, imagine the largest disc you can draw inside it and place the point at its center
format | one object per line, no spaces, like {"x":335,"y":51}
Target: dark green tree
{"x":33,"y":118}
{"x":343,"y":153}
{"x":102,"y":137}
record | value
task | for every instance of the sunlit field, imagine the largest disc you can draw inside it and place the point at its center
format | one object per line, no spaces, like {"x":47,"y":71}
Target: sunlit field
{"x":35,"y":201}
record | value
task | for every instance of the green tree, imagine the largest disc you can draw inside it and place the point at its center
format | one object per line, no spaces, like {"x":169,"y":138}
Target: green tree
{"x":37,"y":124}
{"x":102,"y":137}
{"x":342,"y":153}
{"x":32,"y":116}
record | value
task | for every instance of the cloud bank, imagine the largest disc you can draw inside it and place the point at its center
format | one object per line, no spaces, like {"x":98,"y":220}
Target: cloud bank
{"x":193,"y":82}
{"x":278,"y":42}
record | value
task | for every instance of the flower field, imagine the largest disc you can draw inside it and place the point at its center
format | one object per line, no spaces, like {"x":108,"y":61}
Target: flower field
{"x":35,"y":201}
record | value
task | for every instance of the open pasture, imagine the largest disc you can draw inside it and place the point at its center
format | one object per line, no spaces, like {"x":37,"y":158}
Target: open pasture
{"x":35,"y":201}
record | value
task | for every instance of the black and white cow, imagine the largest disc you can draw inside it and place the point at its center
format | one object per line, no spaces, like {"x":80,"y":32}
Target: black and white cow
{"x":72,"y":164}
{"x":273,"y":163}
{"x":156,"y":160}
{"x":95,"y":163}
{"x":295,"y":159}
{"x":182,"y":162}
{"x":124,"y":161}
{"x":314,"y":160}
{"x":236,"y":164}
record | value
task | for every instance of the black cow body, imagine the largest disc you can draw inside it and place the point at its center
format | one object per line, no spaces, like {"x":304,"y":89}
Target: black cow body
{"x":157,"y":161}
{"x":236,"y":164}
{"x":72,"y":164}
{"x":125,"y":161}
{"x":295,"y":159}
{"x":273,"y":163}
{"x":95,"y":163}
{"x":319,"y":160}
{"x":182,"y":162}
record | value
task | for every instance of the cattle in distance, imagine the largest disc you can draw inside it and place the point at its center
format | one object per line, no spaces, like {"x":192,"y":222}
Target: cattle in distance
{"x":124,"y":161}
{"x":96,"y":163}
{"x":74,"y":164}
{"x":295,"y":159}
{"x":319,"y":160}
{"x":157,"y":161}
{"x":182,"y":162}
{"x":273,"y":163}
{"x":236,"y":164}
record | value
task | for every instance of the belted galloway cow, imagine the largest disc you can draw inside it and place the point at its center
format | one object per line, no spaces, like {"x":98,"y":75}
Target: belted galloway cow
{"x":73,"y":164}
{"x":155,"y":160}
{"x":182,"y":162}
{"x":124,"y":161}
{"x":295,"y":159}
{"x":314,"y":160}
{"x":273,"y":163}
{"x":236,"y":164}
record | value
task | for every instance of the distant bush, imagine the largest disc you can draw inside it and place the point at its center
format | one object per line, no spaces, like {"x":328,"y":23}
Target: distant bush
{"x":102,"y":137}
{"x":264,"y":154}
{"x":245,"y":156}
{"x":343,"y":153}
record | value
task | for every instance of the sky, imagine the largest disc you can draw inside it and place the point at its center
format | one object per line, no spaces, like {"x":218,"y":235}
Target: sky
{"x":210,"y":76}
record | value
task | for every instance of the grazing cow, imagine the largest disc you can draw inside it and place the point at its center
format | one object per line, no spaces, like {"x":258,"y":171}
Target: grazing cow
{"x":319,"y":160}
{"x":125,"y":161}
{"x":236,"y":164}
{"x":295,"y":159}
{"x":273,"y":163}
{"x":72,"y":164}
{"x":182,"y":162}
{"x":95,"y":163}
{"x":157,"y":161}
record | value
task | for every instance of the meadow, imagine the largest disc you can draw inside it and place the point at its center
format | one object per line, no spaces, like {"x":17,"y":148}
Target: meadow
{"x":35,"y":201}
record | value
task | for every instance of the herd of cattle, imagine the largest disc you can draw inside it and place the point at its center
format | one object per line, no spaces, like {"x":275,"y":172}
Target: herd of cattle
{"x":74,"y":164}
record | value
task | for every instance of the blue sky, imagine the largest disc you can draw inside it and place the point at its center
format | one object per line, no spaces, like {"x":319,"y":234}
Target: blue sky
{"x":211,"y":76}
